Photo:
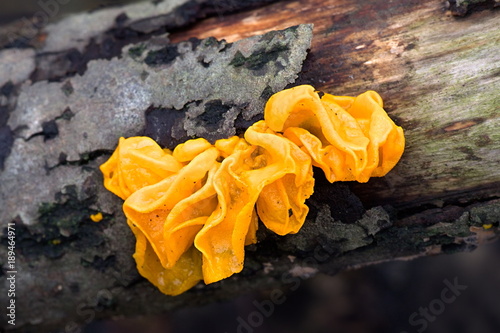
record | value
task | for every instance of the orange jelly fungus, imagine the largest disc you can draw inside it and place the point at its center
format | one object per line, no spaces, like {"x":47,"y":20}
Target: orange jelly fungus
{"x":96,"y":217}
{"x":195,"y":208}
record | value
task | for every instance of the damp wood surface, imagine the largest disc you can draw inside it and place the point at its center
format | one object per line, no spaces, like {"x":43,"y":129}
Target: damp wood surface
{"x":438,"y":74}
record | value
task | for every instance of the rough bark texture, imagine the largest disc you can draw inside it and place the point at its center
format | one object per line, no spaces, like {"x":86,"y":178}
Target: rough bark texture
{"x":64,"y":102}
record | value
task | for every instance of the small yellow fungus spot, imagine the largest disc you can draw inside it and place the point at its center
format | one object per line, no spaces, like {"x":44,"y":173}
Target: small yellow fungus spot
{"x":96,"y":217}
{"x":487,"y":226}
{"x":194,"y":209}
{"x":55,"y":241}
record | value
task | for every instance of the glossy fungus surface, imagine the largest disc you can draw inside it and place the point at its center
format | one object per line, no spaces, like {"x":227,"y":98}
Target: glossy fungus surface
{"x":195,"y":208}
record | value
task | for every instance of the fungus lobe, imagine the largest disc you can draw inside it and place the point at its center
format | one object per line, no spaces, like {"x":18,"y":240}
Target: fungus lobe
{"x":194,"y":210}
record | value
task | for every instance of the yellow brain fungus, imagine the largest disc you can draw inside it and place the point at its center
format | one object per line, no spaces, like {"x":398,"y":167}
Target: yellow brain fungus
{"x":349,"y":138}
{"x":137,"y":162}
{"x":193,"y":210}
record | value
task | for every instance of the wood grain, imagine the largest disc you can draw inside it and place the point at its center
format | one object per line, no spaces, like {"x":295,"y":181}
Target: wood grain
{"x":438,"y":75}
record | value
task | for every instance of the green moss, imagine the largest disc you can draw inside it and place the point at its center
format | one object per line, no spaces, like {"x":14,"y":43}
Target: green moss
{"x":266,"y":93}
{"x":210,"y":41}
{"x":45,"y":208}
{"x":259,"y":58}
{"x":136,"y":51}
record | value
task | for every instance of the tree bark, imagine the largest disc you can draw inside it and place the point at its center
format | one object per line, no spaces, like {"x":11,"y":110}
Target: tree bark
{"x":438,"y":75}
{"x":65,"y":101}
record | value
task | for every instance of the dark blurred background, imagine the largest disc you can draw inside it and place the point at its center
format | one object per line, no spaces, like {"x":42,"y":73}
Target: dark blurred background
{"x":406,"y":296}
{"x":456,"y":293}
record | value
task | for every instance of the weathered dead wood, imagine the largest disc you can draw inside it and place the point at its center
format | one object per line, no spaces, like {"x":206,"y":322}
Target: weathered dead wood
{"x":438,"y":75}
{"x":439,"y":78}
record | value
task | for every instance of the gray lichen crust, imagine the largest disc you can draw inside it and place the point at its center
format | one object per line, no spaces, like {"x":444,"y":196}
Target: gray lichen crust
{"x":62,"y":132}
{"x":204,"y":88}
{"x":61,"y":35}
{"x":16,"y":65}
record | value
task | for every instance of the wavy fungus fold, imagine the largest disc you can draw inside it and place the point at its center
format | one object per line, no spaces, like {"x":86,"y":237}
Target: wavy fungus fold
{"x":195,"y":208}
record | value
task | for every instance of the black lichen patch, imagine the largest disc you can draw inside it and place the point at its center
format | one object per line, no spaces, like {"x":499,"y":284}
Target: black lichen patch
{"x":203,"y":62}
{"x":62,"y":224}
{"x":17,"y":42}
{"x":162,"y":56}
{"x":259,"y":58}
{"x":121,"y":19}
{"x":144,"y":75}
{"x":55,"y":66}
{"x":4,"y":115}
{"x":6,"y":134}
{"x":76,"y":61}
{"x":269,"y":36}
{"x":266,"y":93}
{"x":6,"y":141}
{"x":210,"y":41}
{"x":63,"y":157}
{"x":49,"y":130}
{"x":85,"y":158}
{"x":7,"y":89}
{"x":226,"y":46}
{"x":238,"y":60}
{"x":195,"y":42}
{"x":160,"y":124}
{"x":213,"y":115}
{"x":106,"y":49}
{"x":410,"y":46}
{"x":67,"y":114}
{"x":463,"y":8}
{"x":241,"y":124}
{"x":67,"y":88}
{"x":123,"y":34}
{"x":32,"y":245}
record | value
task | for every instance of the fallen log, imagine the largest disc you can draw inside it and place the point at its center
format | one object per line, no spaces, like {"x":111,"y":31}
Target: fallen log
{"x":65,"y":101}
